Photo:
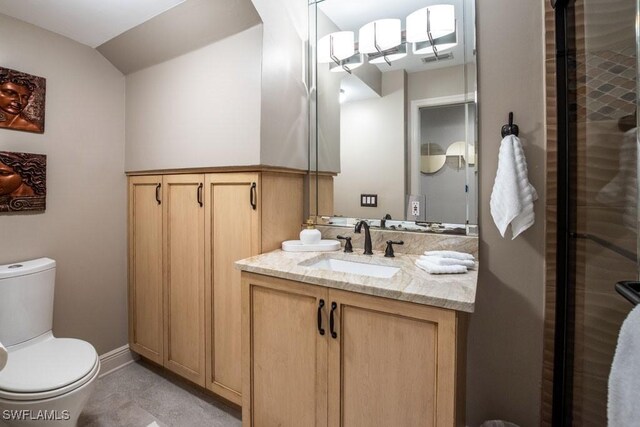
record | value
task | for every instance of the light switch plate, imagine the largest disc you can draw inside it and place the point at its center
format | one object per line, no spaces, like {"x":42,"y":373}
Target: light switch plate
{"x":369,"y":200}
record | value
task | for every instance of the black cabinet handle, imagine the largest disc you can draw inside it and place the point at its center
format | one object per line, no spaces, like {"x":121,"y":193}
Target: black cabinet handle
{"x":200,"y":194}
{"x":331,"y":320}
{"x":158,"y":187}
{"x":252,"y":196}
{"x":320,"y":305}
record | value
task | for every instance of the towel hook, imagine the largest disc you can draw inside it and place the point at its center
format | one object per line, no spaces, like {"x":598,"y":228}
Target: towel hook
{"x":510,"y":129}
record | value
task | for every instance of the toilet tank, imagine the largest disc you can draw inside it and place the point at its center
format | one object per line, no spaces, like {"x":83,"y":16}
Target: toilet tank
{"x":26,"y":300}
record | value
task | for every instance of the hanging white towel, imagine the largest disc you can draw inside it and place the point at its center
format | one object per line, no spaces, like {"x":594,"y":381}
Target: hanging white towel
{"x":448,"y":261}
{"x":624,"y":382}
{"x":440,"y":269}
{"x":4,"y":356}
{"x":513,"y":195}
{"x":451,"y":254}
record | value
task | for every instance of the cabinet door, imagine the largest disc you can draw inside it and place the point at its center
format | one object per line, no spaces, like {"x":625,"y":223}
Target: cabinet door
{"x":145,"y":267}
{"x":391,"y":364}
{"x":232,"y":233}
{"x":284,"y":354}
{"x":184,"y":276}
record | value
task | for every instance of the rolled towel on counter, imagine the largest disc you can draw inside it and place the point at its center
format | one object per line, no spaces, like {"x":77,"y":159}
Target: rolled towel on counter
{"x":440,"y":269}
{"x":4,"y":356}
{"x":451,"y":254}
{"x":449,"y":261}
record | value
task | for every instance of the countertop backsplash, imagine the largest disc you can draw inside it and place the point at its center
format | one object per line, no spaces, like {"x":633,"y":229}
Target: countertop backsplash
{"x":414,"y":243}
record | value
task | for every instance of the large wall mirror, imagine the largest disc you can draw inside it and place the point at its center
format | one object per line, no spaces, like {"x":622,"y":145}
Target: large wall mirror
{"x":394,"y":113}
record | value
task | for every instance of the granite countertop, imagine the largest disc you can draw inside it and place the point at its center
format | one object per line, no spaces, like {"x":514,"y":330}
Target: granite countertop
{"x":451,"y":291}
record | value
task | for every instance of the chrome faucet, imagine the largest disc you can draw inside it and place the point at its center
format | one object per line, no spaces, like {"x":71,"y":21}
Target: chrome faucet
{"x":367,"y":236}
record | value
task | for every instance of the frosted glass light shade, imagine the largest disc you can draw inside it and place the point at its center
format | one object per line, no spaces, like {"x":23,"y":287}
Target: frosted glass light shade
{"x":340,"y":44}
{"x":386,"y":33}
{"x":442,"y":21}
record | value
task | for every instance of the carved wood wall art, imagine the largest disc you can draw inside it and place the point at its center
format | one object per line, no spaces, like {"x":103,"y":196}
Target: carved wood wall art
{"x":22,"y":101}
{"x":23,"y":184}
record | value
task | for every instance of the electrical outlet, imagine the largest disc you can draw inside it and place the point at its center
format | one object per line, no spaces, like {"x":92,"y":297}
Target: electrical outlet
{"x":415,"y":208}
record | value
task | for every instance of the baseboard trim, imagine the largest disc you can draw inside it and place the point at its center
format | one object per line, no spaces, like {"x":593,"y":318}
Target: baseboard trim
{"x":116,"y":359}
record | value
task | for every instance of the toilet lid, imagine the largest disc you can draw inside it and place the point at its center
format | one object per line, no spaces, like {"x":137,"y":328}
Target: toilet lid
{"x":47,"y":365}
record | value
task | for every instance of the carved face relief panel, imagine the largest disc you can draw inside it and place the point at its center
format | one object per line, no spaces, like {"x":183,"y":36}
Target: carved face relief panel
{"x":22,"y":182}
{"x":22,"y":101}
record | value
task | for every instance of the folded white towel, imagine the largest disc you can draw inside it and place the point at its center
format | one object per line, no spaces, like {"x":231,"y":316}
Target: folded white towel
{"x":450,"y":254}
{"x":448,"y":261}
{"x":440,"y":269}
{"x":512,"y":196}
{"x":4,"y":356}
{"x":624,"y":381}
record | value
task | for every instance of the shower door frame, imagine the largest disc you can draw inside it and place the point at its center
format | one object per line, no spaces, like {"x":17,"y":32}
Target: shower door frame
{"x":567,"y":141}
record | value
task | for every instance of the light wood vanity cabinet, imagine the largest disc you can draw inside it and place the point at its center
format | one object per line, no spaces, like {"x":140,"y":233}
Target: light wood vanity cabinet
{"x":390,"y":363}
{"x":183,"y":255}
{"x":185,"y":233}
{"x":232,"y":233}
{"x":146,"y":334}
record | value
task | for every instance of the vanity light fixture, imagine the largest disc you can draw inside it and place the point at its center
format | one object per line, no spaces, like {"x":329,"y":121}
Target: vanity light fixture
{"x":432,"y":28}
{"x":389,"y":55}
{"x":336,"y":47}
{"x":441,"y":43}
{"x":348,"y":64}
{"x":379,"y":36}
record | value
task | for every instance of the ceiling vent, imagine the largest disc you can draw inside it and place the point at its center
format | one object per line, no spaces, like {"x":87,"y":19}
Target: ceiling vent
{"x":439,"y":58}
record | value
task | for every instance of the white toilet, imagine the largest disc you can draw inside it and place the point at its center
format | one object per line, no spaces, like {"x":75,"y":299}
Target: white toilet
{"x":46,"y":381}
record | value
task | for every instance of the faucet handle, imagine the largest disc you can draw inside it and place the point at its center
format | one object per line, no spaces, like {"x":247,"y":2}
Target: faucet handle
{"x":389,"y":251}
{"x":347,"y":244}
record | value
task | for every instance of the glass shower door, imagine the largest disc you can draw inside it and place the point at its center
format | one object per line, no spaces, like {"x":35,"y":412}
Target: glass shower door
{"x":603,"y":187}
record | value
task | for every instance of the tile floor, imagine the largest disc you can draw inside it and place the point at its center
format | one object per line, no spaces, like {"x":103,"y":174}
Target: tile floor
{"x":140,"y":395}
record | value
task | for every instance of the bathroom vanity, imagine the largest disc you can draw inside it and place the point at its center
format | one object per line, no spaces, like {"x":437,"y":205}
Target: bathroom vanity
{"x":333,"y":339}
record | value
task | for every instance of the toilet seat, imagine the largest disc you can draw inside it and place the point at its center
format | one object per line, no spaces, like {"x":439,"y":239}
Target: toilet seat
{"x":46,"y":367}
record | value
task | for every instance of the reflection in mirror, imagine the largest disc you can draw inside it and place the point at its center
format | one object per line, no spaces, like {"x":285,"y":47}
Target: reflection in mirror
{"x":394,"y":112}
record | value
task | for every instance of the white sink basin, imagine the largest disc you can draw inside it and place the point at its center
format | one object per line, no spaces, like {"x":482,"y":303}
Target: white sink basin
{"x":373,"y":270}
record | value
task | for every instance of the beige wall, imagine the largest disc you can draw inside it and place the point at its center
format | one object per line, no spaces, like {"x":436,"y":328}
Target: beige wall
{"x":84,"y":226}
{"x":505,"y":336}
{"x":450,"y":81}
{"x":199,"y":109}
{"x":372,"y":135}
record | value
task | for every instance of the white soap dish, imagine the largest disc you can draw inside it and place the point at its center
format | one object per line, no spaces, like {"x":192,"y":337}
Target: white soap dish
{"x":321,"y":246}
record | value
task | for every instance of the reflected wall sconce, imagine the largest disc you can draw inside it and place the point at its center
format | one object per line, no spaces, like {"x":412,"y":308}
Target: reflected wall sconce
{"x":379,"y":36}
{"x":388,"y":55}
{"x":441,"y":44}
{"x":348,"y":64}
{"x":432,"y":28}
{"x":336,"y":47}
